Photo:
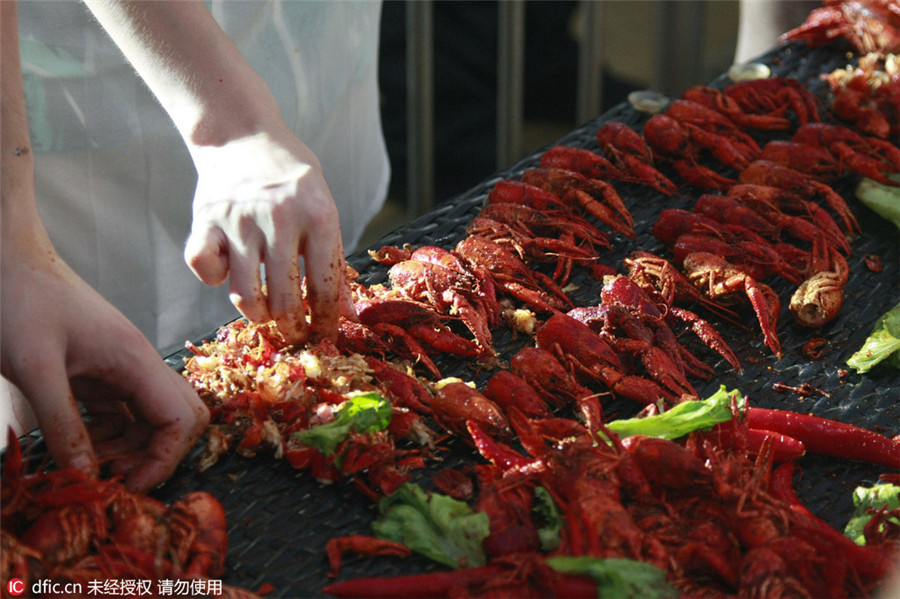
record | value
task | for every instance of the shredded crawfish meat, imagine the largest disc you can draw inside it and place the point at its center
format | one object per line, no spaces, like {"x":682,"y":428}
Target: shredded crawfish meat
{"x":262,"y":393}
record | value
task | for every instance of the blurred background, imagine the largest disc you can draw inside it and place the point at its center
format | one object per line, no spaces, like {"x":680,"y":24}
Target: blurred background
{"x":571,"y":61}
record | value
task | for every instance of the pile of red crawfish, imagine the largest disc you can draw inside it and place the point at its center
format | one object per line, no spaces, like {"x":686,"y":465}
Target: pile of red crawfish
{"x":71,"y":529}
{"x":716,"y":510}
{"x":868,"y":94}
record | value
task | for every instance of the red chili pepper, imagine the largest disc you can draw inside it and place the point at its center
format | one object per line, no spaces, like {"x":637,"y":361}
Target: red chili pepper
{"x":782,"y":448}
{"x":870,"y":562}
{"x":829,"y":437}
{"x":781,"y":487}
{"x":432,"y":584}
{"x":439,"y":584}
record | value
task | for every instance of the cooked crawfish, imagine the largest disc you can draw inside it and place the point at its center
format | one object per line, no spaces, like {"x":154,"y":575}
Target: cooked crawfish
{"x":772,"y":174}
{"x":583,"y":161}
{"x":542,"y":370}
{"x":538,"y":213}
{"x":655,"y":274}
{"x":596,"y":197}
{"x":449,"y":292}
{"x":70,"y":526}
{"x":509,"y":273}
{"x":869,"y":25}
{"x":812,"y":161}
{"x":724,"y":104}
{"x":871,"y":157}
{"x":775,"y":96}
{"x":632,"y":154}
{"x":867,"y":95}
{"x":456,"y":403}
{"x":507,"y":389}
{"x":720,"y":280}
{"x":562,"y":250}
{"x":686,"y":232}
{"x":799,"y":218}
{"x":673,"y":143}
{"x":714,"y":132}
{"x":410,"y":329}
{"x":819,"y":298}
{"x":593,"y":359}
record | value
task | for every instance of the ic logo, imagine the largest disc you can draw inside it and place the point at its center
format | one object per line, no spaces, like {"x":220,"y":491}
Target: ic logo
{"x":15,"y":586}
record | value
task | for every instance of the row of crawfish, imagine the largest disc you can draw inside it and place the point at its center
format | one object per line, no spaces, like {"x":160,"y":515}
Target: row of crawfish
{"x":719,"y":518}
{"x":628,"y":343}
{"x":625,"y":346}
{"x":65,"y":526}
{"x":779,"y":216}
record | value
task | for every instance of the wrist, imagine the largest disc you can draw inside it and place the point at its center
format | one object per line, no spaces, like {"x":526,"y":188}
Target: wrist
{"x":229,"y":112}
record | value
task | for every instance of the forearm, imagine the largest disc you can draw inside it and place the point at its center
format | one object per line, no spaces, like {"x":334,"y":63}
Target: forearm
{"x":208,"y":89}
{"x":19,"y":219}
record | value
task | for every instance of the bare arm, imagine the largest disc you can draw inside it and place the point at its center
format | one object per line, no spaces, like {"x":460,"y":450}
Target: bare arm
{"x":261,"y":196}
{"x":67,"y":348}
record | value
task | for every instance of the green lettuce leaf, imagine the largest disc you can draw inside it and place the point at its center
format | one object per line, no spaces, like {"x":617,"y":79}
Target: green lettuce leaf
{"x":362,"y":413}
{"x":617,"y":578}
{"x":549,"y":533}
{"x":682,"y":418}
{"x":882,"y":345}
{"x":882,"y":199}
{"x":866,"y":498}
{"x":437,"y":526}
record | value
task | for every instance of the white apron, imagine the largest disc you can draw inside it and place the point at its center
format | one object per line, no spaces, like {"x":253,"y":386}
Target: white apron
{"x":114,"y":181}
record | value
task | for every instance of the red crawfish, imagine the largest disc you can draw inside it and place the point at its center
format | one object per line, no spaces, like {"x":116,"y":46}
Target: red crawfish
{"x":631,"y":153}
{"x":722,"y":281}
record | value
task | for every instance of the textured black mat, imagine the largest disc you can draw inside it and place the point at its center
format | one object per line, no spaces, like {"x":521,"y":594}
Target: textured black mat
{"x":280,"y":519}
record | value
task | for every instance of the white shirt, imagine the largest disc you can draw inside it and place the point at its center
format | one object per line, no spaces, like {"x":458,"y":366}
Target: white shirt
{"x":114,"y":180}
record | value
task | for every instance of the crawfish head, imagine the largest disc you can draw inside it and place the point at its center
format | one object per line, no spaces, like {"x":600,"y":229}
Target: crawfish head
{"x":818,"y":299}
{"x":543,"y":371}
{"x":456,"y":403}
{"x":617,"y":137}
{"x":198,"y":533}
{"x":666,"y":463}
{"x":622,"y":290}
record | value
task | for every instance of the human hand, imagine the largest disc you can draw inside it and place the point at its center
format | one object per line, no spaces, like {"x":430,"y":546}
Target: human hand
{"x":261,"y":197}
{"x":64,"y":345}
{"x":261,"y":200}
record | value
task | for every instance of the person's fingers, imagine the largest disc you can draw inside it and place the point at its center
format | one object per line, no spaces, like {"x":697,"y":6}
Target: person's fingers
{"x":131,"y":437}
{"x":46,"y":385}
{"x":176,"y":416}
{"x":127,"y":449}
{"x":285,"y":293}
{"x":324,"y":277}
{"x":246,"y":290}
{"x":205,"y":252}
{"x":347,"y":307}
{"x":104,"y":421}
{"x":169,"y":417}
